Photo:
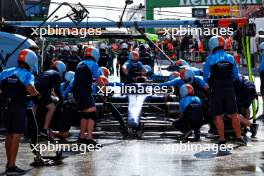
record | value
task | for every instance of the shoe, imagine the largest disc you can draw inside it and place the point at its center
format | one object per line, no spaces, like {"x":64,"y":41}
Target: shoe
{"x":14,"y":171}
{"x":125,"y":133}
{"x":261,"y":117}
{"x":254,"y":129}
{"x":240,"y":141}
{"x":244,"y":130}
{"x":81,"y":140}
{"x":187,"y":134}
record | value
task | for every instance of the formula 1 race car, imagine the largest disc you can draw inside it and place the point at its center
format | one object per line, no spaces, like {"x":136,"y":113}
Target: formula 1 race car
{"x":136,"y":107}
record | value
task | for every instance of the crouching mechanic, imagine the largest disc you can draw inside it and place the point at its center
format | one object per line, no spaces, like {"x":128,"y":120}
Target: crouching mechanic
{"x":17,"y":83}
{"x":188,"y":76}
{"x":245,"y":94}
{"x":220,"y":70}
{"x":87,"y":71}
{"x":191,"y":116}
{"x":133,"y":69}
{"x":200,"y":86}
{"x":47,"y":82}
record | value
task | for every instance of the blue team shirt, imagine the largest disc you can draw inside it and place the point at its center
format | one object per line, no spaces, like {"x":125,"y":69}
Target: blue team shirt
{"x":216,"y":57}
{"x":93,"y":66}
{"x":196,"y":71}
{"x":128,"y":64}
{"x":178,"y":82}
{"x":186,"y":101}
{"x":201,"y":83}
{"x":67,"y":90}
{"x":261,"y":65}
{"x":22,"y":74}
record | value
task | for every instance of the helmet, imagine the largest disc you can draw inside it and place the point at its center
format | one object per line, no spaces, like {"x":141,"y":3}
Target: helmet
{"x":28,"y":57}
{"x":181,"y":62}
{"x":124,"y":46}
{"x":173,"y":75}
{"x":187,"y":75}
{"x":104,"y":71}
{"x":216,"y":41}
{"x":186,"y":89}
{"x":102,"y":46}
{"x":102,"y":80}
{"x":59,"y":66}
{"x":92,"y":52}
{"x":66,"y":48}
{"x":133,"y":56}
{"x":74,"y":49}
{"x":137,"y":50}
{"x":69,"y":75}
{"x":147,"y":46}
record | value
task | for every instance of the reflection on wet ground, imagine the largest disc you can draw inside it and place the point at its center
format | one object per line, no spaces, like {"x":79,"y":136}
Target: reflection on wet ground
{"x":152,"y":156}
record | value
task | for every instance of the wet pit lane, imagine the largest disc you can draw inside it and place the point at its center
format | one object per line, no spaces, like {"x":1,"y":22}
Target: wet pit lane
{"x":154,"y":154}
